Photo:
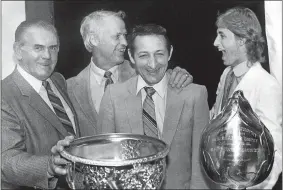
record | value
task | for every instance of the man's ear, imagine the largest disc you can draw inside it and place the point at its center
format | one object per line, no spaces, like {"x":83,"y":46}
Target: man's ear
{"x":17,"y":50}
{"x":94,"y":39}
{"x":130,"y":56}
{"x":170,"y":53}
{"x":241,"y":41}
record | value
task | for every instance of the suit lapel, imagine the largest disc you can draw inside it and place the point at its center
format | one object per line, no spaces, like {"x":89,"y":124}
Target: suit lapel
{"x":174,"y":107}
{"x":37,"y":103}
{"x":67,"y":100}
{"x":134,"y":108}
{"x":84,"y":99}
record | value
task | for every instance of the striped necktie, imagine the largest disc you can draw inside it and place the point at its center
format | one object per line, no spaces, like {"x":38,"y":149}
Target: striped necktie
{"x":109,"y":80}
{"x":148,"y":115}
{"x":58,"y":108}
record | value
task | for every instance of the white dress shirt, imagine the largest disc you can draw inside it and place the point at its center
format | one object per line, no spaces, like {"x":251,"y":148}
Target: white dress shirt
{"x":239,"y":71}
{"x":159,"y":99}
{"x":40,"y":89}
{"x":97,"y":82}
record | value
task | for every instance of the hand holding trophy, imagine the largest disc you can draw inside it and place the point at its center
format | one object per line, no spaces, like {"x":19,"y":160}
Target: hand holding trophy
{"x":237,"y":150}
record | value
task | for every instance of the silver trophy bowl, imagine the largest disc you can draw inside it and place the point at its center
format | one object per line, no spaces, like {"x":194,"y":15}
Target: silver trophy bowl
{"x":237,"y":150}
{"x":116,"y":161}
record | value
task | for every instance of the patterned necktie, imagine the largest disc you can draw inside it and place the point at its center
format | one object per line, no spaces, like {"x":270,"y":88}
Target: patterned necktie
{"x":58,"y":108}
{"x":228,"y":84}
{"x":148,"y":115}
{"x":109,"y":80}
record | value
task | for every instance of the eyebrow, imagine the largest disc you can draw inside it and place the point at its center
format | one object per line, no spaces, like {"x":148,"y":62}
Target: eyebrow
{"x":45,"y":46}
{"x":220,"y":32}
{"x":160,"y":50}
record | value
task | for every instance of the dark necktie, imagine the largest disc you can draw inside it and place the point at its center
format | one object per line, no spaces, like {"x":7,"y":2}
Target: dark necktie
{"x":109,"y":80}
{"x":58,"y":108}
{"x":149,"y":118}
{"x":227,"y":88}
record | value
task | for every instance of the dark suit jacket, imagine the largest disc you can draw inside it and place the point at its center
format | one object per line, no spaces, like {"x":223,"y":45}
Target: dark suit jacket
{"x":29,"y":130}
{"x":186,"y":115}
{"x":80,"y":95}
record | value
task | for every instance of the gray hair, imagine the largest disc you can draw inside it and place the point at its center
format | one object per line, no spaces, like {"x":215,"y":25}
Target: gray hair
{"x":25,"y":25}
{"x":90,"y":25}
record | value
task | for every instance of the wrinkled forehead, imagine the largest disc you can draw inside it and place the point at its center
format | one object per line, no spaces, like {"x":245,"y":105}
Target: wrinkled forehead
{"x":150,"y":42}
{"x":40,"y":35}
{"x":112,"y":24}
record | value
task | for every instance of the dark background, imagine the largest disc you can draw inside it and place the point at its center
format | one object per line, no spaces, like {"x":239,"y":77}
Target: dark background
{"x":190,"y":26}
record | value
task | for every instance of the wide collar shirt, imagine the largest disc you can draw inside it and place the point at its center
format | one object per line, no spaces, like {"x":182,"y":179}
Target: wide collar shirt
{"x":239,"y":71}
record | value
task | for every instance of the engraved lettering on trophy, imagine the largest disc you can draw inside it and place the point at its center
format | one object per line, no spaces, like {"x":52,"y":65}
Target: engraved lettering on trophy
{"x":237,"y":151}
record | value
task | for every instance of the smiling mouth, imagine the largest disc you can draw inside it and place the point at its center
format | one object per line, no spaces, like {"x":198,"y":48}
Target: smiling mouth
{"x":153,"y":71}
{"x":45,"y":65}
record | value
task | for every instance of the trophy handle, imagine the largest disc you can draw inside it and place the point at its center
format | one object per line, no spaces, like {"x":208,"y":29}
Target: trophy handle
{"x":70,"y":175}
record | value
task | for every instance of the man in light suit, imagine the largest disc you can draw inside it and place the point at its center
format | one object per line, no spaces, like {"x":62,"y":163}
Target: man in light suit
{"x":104,"y":35}
{"x":240,"y":39}
{"x":176,"y":118}
{"x":32,"y":131}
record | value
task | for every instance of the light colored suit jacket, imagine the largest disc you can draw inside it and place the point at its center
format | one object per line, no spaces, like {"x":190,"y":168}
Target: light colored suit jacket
{"x":80,"y":95}
{"x":29,"y":130}
{"x":186,"y":115}
{"x":265,"y":97}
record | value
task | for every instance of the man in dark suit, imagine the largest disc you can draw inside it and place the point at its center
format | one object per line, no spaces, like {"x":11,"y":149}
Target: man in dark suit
{"x":104,"y":35}
{"x":146,"y":104}
{"x":36,"y":113}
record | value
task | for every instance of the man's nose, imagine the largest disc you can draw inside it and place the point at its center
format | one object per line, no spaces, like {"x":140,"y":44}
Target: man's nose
{"x":124,"y":41}
{"x":216,"y":41}
{"x":152,"y":62}
{"x":46,"y":54}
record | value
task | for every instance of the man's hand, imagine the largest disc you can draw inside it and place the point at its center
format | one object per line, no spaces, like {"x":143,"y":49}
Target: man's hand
{"x":57,"y":163}
{"x":179,"y":78}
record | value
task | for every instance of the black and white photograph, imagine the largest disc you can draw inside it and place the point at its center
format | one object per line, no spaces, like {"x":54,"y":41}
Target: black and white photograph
{"x":141,"y":94}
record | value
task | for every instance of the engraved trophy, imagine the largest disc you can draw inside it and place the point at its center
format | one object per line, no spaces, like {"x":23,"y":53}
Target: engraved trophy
{"x":116,"y":161}
{"x":236,"y":149}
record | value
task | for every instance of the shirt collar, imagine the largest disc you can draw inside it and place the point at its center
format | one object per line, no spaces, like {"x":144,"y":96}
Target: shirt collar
{"x":241,"y":69}
{"x":34,"y":82}
{"x":161,"y":87}
{"x":99,"y":73}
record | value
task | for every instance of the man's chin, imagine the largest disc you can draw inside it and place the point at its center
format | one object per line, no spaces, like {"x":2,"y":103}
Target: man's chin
{"x":120,"y":60}
{"x":42,"y":76}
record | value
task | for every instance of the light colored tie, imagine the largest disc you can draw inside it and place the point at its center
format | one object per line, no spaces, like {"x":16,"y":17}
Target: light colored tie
{"x":58,"y":108}
{"x":149,"y":119}
{"x":109,"y":80}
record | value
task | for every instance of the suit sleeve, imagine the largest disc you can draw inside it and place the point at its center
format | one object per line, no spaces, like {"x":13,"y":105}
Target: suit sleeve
{"x":106,"y":123}
{"x":201,"y":119}
{"x":18,"y":166}
{"x":269,"y":110}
